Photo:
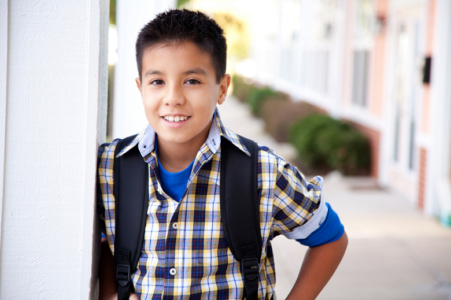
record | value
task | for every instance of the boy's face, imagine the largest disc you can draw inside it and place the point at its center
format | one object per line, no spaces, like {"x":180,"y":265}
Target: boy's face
{"x":180,"y":92}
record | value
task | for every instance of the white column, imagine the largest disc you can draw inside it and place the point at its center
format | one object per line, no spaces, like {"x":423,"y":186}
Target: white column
{"x":132,"y":15}
{"x":3,"y":94}
{"x":438,"y":190}
{"x":53,"y":82}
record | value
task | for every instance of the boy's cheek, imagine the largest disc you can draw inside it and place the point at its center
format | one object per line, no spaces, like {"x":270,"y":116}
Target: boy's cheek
{"x":152,"y":116}
{"x":151,"y":105}
{"x":149,"y":97}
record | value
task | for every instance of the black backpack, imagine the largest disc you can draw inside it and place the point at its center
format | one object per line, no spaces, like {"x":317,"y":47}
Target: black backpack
{"x":240,"y":211}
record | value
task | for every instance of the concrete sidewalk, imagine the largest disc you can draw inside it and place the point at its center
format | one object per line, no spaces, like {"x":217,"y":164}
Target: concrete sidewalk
{"x":394,"y":251}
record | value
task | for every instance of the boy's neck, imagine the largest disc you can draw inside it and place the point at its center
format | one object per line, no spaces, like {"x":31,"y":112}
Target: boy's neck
{"x":176,"y":157}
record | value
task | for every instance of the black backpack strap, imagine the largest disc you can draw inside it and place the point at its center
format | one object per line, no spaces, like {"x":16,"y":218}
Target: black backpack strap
{"x":131,"y":194}
{"x":240,"y":209}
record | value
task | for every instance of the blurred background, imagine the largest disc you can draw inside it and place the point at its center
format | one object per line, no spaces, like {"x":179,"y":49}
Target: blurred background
{"x":357,"y":91}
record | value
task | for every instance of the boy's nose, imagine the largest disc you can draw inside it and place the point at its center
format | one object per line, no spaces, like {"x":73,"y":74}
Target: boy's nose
{"x":174,"y":96}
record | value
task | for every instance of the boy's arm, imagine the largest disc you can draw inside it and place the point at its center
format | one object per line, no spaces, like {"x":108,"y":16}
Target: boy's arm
{"x":318,"y":267}
{"x":107,"y":277}
{"x":301,"y":213}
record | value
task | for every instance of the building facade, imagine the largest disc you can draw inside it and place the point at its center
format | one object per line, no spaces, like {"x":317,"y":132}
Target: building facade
{"x":382,"y":65}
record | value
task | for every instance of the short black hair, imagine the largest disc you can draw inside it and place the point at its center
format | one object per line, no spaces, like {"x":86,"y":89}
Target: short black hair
{"x":177,"y":26}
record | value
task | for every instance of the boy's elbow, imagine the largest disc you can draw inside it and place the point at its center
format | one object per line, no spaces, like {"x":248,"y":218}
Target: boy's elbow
{"x":107,"y":274}
{"x":344,"y":239}
{"x":343,"y":242}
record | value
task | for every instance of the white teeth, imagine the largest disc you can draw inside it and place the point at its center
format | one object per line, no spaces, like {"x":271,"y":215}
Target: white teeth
{"x":176,"y":118}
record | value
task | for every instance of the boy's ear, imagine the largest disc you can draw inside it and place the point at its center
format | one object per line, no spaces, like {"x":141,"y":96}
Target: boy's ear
{"x":223,"y":87}
{"x":138,"y":84}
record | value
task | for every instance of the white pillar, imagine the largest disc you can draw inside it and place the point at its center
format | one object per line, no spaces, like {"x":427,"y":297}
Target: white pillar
{"x":131,"y":16}
{"x":438,"y":189}
{"x":53,"y":80}
{"x":3,"y":94}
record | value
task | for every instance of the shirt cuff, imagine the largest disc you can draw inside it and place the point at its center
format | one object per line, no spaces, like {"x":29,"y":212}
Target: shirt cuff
{"x":330,"y":231}
{"x":311,"y":225}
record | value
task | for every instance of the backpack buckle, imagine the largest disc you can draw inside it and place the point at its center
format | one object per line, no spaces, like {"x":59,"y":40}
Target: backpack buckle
{"x":249,"y":267}
{"x":123,"y":274}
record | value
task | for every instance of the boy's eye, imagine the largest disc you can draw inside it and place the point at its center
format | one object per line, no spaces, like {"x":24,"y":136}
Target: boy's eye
{"x":192,"y":81}
{"x":157,"y":82}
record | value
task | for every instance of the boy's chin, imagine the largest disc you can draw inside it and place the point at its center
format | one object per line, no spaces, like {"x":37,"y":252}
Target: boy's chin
{"x":174,"y":138}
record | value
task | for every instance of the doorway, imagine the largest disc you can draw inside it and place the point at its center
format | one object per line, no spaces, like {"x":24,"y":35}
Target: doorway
{"x":405,"y":98}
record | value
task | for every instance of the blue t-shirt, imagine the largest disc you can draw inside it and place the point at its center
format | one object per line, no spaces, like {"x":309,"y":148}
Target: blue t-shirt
{"x":173,"y":184}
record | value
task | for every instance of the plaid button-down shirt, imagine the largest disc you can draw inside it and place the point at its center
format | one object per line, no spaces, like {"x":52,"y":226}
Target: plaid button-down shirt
{"x":184,"y":253}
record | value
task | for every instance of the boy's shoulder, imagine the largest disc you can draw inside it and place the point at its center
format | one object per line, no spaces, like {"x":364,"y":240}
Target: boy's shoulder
{"x":106,"y":150}
{"x":287,"y":173}
{"x":267,"y":156}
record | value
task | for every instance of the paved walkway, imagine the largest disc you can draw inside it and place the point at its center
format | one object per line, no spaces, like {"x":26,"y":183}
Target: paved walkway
{"x":394,"y":252}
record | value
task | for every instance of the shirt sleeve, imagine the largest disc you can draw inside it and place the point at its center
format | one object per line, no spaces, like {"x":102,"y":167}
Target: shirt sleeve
{"x":99,"y":199}
{"x":329,"y":231}
{"x":298,"y":209}
{"x":105,"y":198}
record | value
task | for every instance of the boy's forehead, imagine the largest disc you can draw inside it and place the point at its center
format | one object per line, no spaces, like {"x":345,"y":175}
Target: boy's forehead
{"x":181,"y":56}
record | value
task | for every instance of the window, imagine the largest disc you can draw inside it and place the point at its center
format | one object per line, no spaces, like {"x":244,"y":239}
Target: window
{"x":317,"y":43}
{"x":363,"y":43}
{"x":290,"y":16}
{"x":360,"y":77}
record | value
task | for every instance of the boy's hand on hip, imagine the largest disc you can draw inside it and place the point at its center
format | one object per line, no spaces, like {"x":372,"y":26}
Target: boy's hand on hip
{"x":133,"y":297}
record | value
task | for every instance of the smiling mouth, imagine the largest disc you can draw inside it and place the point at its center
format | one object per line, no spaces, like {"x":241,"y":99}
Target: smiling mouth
{"x":175,"y":119}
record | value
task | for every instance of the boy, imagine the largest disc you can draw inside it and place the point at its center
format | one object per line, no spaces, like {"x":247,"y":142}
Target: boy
{"x":181,"y":57}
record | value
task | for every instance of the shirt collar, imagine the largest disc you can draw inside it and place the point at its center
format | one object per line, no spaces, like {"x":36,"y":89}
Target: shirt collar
{"x":146,"y":138}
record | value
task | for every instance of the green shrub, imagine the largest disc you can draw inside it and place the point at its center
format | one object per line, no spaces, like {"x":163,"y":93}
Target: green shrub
{"x":323,"y":142}
{"x":241,"y":90}
{"x":279,"y":113}
{"x":257,"y":97}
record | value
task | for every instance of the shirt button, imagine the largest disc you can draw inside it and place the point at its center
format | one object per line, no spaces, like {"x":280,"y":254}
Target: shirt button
{"x":175,"y":225}
{"x":173,"y":271}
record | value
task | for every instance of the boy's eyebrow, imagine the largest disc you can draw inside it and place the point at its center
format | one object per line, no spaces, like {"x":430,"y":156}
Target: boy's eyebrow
{"x":196,"y":71}
{"x":192,"y":71}
{"x":152,"y":71}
